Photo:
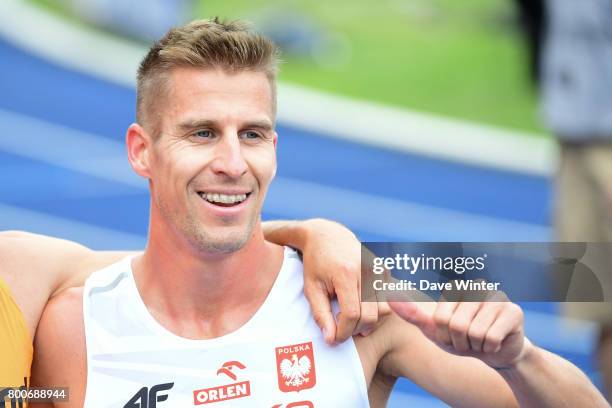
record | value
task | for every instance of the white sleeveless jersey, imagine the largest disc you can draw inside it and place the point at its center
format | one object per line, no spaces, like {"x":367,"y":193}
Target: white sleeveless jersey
{"x":277,"y":359}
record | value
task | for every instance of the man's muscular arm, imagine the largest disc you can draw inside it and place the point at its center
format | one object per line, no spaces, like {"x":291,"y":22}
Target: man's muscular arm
{"x":59,"y":344}
{"x":458,"y":381}
{"x":544,"y":379}
{"x":493,"y":333}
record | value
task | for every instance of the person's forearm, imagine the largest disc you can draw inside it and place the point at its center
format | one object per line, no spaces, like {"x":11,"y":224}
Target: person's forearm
{"x":290,"y":233}
{"x":543,"y":379}
{"x":297,"y":234}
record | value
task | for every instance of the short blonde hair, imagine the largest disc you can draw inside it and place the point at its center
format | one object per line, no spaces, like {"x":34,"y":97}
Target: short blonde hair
{"x":207,"y":44}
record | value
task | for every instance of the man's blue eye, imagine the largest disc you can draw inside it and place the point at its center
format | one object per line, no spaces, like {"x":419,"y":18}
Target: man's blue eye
{"x":203,"y":133}
{"x":251,"y":135}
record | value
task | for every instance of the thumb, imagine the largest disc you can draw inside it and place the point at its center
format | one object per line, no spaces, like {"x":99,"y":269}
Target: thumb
{"x":412,"y":313}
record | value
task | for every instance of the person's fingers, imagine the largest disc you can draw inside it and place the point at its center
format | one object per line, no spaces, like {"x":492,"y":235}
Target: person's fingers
{"x":508,"y":322}
{"x":383,"y":309}
{"x":368,"y":318}
{"x":347,"y":292}
{"x":441,"y":317}
{"x":481,"y":324}
{"x":317,"y":296}
{"x":412,"y":313}
{"x":460,"y":323}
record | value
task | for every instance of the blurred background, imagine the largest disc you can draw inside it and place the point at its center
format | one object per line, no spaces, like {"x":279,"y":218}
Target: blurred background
{"x":406,"y":120}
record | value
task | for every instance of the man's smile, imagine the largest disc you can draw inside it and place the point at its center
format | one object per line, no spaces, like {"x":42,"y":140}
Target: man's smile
{"x":224,"y":199}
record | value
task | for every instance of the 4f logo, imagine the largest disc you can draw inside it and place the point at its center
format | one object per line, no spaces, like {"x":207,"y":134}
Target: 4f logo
{"x":148,"y":398}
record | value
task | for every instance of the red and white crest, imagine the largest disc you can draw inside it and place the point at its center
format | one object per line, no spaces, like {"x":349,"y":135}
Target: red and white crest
{"x":295,"y":367}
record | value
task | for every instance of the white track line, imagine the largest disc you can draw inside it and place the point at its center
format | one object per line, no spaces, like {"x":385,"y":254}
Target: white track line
{"x":416,"y":132}
{"x":14,"y":218}
{"x":67,"y":148}
{"x":116,"y":60}
{"x":395,"y":219}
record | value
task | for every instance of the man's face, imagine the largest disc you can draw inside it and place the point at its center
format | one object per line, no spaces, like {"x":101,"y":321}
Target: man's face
{"x":215,"y":157}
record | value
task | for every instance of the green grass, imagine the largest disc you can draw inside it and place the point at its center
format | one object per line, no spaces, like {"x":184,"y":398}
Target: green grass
{"x":459,"y":58}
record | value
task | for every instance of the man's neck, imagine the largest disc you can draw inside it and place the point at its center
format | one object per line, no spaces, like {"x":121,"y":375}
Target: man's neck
{"x":199,"y":295}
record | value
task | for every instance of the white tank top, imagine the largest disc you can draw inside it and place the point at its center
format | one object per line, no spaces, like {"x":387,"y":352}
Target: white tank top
{"x":277,"y":359}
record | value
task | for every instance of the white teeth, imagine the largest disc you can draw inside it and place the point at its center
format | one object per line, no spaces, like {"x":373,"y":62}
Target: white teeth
{"x":224,"y":198}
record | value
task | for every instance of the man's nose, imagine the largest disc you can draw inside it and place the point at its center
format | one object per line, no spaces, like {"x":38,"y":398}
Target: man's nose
{"x":229,"y":159}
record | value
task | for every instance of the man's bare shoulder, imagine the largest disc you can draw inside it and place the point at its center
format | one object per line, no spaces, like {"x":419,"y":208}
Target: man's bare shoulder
{"x":61,"y":323}
{"x":65,"y":307}
{"x":35,"y":267}
{"x":60,"y":356}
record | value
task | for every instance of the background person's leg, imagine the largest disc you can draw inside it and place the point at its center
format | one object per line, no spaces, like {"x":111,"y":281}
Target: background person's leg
{"x":584,"y":213}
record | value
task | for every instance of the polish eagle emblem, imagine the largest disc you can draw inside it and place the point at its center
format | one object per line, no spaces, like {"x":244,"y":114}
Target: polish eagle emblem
{"x":295,"y":371}
{"x":295,"y":367}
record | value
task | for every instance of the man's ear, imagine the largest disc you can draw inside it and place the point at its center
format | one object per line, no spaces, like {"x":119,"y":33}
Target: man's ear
{"x":275,"y":141}
{"x":139,"y":145}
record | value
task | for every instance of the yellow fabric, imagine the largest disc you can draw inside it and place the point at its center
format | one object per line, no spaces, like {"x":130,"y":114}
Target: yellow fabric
{"x":15,"y":342}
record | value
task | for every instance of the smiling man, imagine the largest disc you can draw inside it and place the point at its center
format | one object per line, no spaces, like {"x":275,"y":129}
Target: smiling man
{"x":211,"y":312}
{"x":35,"y":268}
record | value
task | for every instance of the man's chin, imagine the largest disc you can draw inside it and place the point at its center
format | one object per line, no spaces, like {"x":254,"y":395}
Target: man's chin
{"x":224,"y":247}
{"x":220,"y":242}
